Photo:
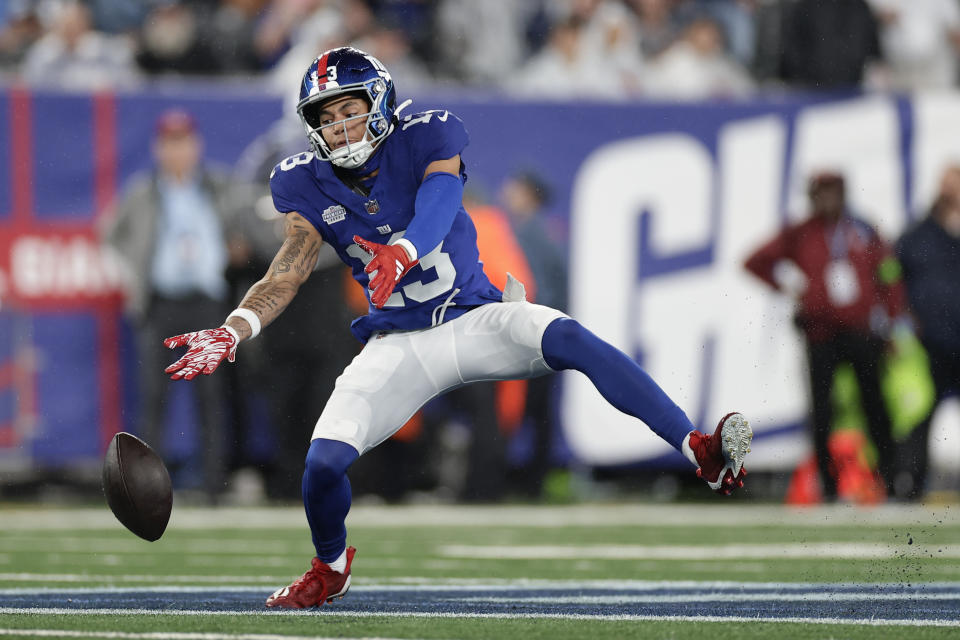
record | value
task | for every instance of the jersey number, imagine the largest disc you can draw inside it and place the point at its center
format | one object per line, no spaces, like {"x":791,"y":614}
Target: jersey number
{"x":293,"y":161}
{"x":417,"y":291}
{"x":424,"y":117}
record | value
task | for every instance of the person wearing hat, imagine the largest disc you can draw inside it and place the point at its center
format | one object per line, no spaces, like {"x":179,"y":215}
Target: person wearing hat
{"x":848,"y":292}
{"x":169,"y":229}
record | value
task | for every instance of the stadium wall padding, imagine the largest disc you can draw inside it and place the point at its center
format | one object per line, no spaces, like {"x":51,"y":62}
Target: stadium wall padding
{"x":662,"y":202}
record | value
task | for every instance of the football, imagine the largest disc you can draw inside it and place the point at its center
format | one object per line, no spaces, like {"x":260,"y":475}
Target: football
{"x":137,"y":486}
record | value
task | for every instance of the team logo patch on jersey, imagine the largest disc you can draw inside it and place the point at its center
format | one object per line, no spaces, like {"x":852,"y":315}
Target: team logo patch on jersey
{"x":336,"y":213}
{"x":384,"y":229}
{"x":372,"y":206}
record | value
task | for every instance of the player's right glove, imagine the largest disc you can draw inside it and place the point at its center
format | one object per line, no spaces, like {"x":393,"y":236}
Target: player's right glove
{"x":390,"y":262}
{"x":208,"y":348}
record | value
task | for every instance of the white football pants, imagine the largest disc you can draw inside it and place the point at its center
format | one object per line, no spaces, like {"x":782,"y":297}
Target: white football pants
{"x":398,"y":372}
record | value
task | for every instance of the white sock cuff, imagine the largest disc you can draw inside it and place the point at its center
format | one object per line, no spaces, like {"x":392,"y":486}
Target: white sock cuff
{"x":340,"y":564}
{"x":688,"y":452}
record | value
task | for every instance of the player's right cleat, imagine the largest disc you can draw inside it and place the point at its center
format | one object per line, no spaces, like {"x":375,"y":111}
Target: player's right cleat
{"x":318,"y":585}
{"x":720,"y":456}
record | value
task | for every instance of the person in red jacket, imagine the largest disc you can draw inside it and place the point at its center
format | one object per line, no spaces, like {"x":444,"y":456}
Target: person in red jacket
{"x":850,"y":291}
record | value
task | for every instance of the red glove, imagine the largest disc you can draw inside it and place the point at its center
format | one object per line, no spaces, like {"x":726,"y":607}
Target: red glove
{"x":207,"y":350}
{"x":391,"y":262}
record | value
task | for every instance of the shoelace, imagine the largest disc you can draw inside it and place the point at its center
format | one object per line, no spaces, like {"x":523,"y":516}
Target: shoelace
{"x":313,"y":575}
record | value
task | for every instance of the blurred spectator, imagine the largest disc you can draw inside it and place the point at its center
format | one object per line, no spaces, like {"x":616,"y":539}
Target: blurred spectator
{"x":332,"y":23}
{"x":119,"y":16}
{"x":769,"y":20}
{"x":390,"y":45}
{"x":609,"y":33}
{"x":568,"y":68}
{"x":657,"y":25}
{"x":19,"y":29}
{"x":298,"y":390}
{"x":72,"y":55}
{"x":524,"y":196}
{"x":416,"y":19}
{"x":828,"y":44}
{"x":170,"y":42}
{"x":228,"y":31}
{"x":929,"y":253}
{"x":482,"y":42}
{"x":170,"y":230}
{"x":190,"y":38}
{"x":500,"y":249}
{"x":696,"y":67}
{"x":275,"y":30}
{"x":847,"y":291}
{"x":736,"y":21}
{"x":921,"y":41}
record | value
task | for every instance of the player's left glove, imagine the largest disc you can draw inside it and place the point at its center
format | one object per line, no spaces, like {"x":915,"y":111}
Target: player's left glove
{"x":390,"y":262}
{"x":208,"y":348}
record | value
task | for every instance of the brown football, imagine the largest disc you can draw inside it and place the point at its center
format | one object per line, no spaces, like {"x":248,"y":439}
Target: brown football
{"x":137,"y":486}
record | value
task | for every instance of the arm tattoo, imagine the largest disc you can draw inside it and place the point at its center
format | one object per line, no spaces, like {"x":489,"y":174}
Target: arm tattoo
{"x":268,"y":298}
{"x":271,"y":295}
{"x":291,"y":251}
{"x":298,"y":250}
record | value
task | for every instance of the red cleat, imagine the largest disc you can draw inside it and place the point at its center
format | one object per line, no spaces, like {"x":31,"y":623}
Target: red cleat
{"x":721,"y":455}
{"x":318,"y":585}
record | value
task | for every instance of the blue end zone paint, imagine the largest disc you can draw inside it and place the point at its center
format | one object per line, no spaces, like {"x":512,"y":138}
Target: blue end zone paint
{"x":918,"y":602}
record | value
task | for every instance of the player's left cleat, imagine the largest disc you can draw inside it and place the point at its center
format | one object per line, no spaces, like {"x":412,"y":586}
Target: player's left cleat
{"x":318,"y":585}
{"x":720,"y":456}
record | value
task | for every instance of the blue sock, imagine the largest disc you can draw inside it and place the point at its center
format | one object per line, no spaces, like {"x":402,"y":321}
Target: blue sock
{"x":326,"y":495}
{"x":620,"y":380}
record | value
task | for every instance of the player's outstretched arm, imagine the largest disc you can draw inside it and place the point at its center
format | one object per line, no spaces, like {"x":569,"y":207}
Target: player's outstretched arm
{"x":290,"y":268}
{"x":263,"y":302}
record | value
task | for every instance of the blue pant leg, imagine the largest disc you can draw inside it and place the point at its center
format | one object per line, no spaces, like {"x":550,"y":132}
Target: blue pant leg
{"x":326,"y":495}
{"x":621,"y":381}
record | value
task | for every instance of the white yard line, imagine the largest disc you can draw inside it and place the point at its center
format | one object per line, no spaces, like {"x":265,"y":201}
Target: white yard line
{"x":502,"y":585}
{"x":87,"y":578}
{"x":280,"y":556}
{"x":206,"y":546}
{"x":157,"y":635}
{"x":615,"y":599}
{"x":495,"y":616}
{"x":802,"y":550}
{"x":464,"y":584}
{"x":634,"y":514}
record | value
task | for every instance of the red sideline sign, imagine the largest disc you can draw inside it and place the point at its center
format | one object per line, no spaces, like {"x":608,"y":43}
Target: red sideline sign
{"x":57,"y":270}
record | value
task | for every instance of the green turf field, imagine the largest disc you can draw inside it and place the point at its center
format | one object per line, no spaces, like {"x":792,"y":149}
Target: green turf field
{"x":587,"y":550}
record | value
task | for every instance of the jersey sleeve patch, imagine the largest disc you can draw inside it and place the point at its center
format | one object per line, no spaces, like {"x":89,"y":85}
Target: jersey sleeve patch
{"x":434,"y":135}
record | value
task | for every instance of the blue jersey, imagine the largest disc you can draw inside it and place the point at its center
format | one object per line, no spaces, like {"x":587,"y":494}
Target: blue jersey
{"x":449,"y":280}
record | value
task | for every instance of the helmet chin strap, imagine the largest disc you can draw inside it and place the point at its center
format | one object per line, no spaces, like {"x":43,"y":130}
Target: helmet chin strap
{"x":353,"y":155}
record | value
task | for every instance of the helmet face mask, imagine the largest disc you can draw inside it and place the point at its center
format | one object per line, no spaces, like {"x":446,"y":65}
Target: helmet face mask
{"x":339,"y":73}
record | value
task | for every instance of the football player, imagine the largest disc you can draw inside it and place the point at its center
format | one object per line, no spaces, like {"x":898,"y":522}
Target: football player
{"x":385,"y":188}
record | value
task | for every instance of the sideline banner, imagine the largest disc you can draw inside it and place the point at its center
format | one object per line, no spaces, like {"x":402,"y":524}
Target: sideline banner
{"x":662,"y":203}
